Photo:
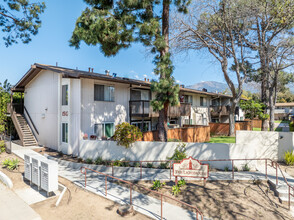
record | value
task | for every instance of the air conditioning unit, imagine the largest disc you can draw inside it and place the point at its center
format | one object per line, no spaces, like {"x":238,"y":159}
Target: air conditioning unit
{"x":28,"y":166}
{"x":49,"y":176}
{"x":36,"y":163}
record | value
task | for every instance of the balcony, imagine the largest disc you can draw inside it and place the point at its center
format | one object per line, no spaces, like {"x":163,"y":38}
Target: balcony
{"x":142,"y":108}
{"x":217,"y":111}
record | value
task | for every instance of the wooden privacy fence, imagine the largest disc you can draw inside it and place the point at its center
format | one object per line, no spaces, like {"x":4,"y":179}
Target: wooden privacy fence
{"x":185,"y":134}
{"x":223,"y":128}
{"x":256,"y":123}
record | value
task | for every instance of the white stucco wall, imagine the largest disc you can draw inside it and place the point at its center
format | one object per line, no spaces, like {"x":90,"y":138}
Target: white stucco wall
{"x":40,"y":99}
{"x":249,"y":145}
{"x":93,"y":112}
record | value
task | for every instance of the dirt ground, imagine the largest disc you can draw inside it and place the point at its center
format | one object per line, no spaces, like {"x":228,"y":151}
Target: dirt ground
{"x":76,"y":203}
{"x":228,"y":200}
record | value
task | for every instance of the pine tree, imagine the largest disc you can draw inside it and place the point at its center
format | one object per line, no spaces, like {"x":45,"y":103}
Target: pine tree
{"x":115,"y":25}
{"x":19,"y":19}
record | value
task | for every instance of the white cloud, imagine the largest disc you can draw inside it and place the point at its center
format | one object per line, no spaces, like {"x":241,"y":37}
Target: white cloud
{"x":136,"y":76}
{"x":145,"y":76}
{"x":178,"y":81}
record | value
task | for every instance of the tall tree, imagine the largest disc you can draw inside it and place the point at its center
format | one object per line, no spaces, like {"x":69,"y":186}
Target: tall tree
{"x":270,"y":36}
{"x":214,"y":26}
{"x":19,"y":19}
{"x":115,"y":25}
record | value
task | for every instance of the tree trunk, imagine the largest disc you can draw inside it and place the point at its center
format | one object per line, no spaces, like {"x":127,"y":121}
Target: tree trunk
{"x":272,"y":112}
{"x":232,"y":119}
{"x":162,"y":127}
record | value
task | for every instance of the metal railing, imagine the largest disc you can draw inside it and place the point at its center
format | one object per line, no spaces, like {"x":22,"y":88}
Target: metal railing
{"x":273,"y":164}
{"x":131,"y":185}
{"x":30,"y":119}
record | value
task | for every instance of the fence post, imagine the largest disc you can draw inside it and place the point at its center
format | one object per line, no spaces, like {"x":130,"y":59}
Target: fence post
{"x":85,"y":177}
{"x":289,"y":198}
{"x":276,"y":173}
{"x":232,"y":169}
{"x":112,"y":169}
{"x":105,"y":185}
{"x":170,"y":169}
{"x":266,"y":168}
{"x":140,"y":169}
{"x":161,"y":206}
{"x":131,"y":187}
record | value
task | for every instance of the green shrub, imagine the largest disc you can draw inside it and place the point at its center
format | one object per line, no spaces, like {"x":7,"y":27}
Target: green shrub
{"x":99,"y":161}
{"x":291,"y":126}
{"x":176,"y":190}
{"x":126,"y":134}
{"x":11,"y":164}
{"x":289,"y":158}
{"x":157,"y":185}
{"x":88,"y":161}
{"x":246,"y":167}
{"x":136,"y":164}
{"x":125,"y":164}
{"x":2,"y":147}
{"x":117,"y":163}
{"x":236,"y":169}
{"x":179,"y":153}
{"x":80,"y":160}
{"x":181,"y":183}
{"x":227,"y":169}
{"x":163,"y":165}
{"x":149,"y":165}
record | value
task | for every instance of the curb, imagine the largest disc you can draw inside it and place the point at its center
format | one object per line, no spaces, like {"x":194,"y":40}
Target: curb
{"x":6,"y":180}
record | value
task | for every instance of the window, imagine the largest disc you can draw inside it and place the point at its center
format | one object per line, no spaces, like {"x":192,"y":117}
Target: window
{"x":103,"y":93}
{"x":146,"y":125}
{"x":104,"y":130}
{"x":65,"y":95}
{"x":202,"y":101}
{"x":64,"y":130}
{"x":188,"y":99}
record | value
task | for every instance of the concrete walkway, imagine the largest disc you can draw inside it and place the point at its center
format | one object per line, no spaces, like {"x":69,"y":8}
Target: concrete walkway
{"x":14,"y":208}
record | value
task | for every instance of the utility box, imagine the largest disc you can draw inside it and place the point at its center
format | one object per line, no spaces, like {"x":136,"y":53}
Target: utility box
{"x":36,"y":163}
{"x":49,"y":175}
{"x":28,"y":167}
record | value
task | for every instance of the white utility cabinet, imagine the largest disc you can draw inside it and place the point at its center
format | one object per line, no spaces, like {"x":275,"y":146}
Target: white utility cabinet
{"x":28,"y":166}
{"x":36,"y":163}
{"x":49,"y":175}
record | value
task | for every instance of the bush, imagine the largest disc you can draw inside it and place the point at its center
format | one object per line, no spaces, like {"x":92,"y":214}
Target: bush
{"x":2,"y":147}
{"x":80,"y":160}
{"x":149,"y":165}
{"x":163,"y":165}
{"x":157,"y":185}
{"x":176,"y":190}
{"x":60,"y":153}
{"x":236,"y":169}
{"x":99,"y":161}
{"x":126,"y":134}
{"x":173,"y":140}
{"x":291,"y":126}
{"x":246,"y":167}
{"x":179,"y":153}
{"x":227,"y":169}
{"x":289,"y":158}
{"x":181,"y":183}
{"x":117,"y":163}
{"x":88,"y":161}
{"x":11,"y":164}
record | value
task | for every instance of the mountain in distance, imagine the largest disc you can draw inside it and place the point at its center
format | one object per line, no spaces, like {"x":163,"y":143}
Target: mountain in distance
{"x":218,"y":87}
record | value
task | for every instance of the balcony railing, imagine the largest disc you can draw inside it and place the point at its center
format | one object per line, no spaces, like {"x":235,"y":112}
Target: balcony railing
{"x":219,"y":110}
{"x":142,"y":108}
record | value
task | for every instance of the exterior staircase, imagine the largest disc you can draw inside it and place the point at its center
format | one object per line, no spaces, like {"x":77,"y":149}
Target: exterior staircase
{"x":21,"y":125}
{"x":28,"y":136}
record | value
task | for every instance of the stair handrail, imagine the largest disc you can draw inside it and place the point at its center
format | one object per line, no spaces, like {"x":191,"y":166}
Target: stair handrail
{"x":15,"y":121}
{"x":31,"y":121}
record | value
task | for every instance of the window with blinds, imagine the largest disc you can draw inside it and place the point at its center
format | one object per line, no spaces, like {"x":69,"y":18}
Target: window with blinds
{"x":103,"y":93}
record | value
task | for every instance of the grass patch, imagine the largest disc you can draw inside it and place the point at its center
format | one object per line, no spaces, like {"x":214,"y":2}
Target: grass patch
{"x":256,"y":129}
{"x":279,"y":129}
{"x":222,"y":139}
{"x":283,"y":121}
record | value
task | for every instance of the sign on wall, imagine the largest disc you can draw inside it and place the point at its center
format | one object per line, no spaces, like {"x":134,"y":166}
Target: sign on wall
{"x":190,"y":167}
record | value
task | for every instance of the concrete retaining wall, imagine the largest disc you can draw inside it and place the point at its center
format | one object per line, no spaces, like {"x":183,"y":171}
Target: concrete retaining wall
{"x":248,"y":145}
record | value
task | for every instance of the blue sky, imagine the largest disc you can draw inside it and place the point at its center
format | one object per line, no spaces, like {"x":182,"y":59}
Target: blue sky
{"x":51,"y":46}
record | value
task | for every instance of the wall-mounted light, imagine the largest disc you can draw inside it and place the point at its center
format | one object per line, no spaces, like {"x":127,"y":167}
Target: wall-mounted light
{"x":281,"y":137}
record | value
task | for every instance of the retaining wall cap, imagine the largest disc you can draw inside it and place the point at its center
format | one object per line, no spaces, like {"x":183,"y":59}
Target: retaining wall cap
{"x":6,"y":180}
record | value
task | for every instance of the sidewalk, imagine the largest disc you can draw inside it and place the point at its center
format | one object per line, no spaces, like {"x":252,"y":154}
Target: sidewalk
{"x":13,"y":208}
